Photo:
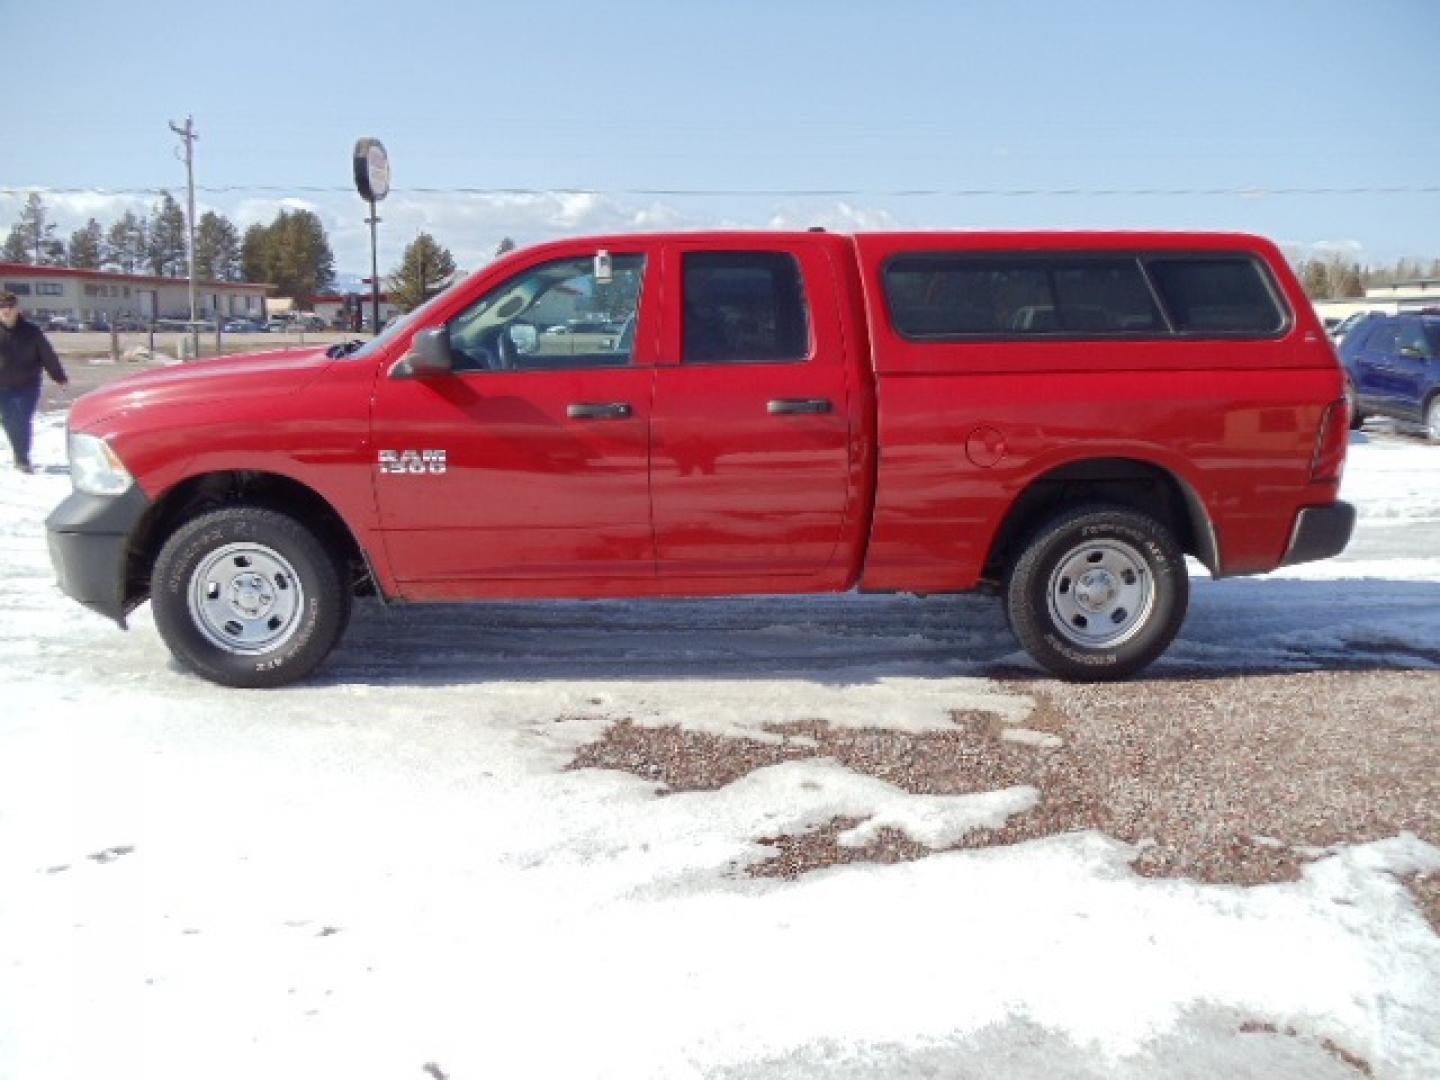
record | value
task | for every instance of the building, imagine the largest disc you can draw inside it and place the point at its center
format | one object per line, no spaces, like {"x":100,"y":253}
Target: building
{"x":1403,"y":296}
{"x":331,"y":305}
{"x":47,"y":291}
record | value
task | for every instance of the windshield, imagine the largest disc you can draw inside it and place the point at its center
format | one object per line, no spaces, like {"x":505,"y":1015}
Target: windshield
{"x":402,"y":326}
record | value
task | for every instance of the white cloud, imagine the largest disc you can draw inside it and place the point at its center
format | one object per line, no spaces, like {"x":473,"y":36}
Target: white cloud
{"x":471,"y":226}
{"x":1300,"y":250}
{"x":836,"y":217}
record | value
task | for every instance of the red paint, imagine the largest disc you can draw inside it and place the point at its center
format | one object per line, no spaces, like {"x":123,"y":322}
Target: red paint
{"x":905,"y":483}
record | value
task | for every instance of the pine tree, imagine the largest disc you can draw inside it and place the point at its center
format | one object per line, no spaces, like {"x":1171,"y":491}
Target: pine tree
{"x":126,"y":244}
{"x":217,"y":248}
{"x":255,"y":253}
{"x":166,"y":249}
{"x":15,"y":249}
{"x":1350,"y":284}
{"x":33,"y":240}
{"x":425,"y":269}
{"x":1316,"y":280}
{"x":292,"y":253}
{"x":505,"y":245}
{"x":86,"y":246}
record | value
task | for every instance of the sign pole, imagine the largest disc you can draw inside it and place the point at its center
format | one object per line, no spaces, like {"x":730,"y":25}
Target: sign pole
{"x":372,"y":180}
{"x":374,"y":220}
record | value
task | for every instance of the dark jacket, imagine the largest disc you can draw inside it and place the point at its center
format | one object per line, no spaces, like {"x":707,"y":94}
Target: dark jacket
{"x":24,"y":352}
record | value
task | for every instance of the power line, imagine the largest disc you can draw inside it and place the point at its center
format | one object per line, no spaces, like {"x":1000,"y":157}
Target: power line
{"x":768,"y":193}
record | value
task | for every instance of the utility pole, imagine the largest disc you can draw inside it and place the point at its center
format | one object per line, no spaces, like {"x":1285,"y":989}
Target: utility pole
{"x":189,"y":134}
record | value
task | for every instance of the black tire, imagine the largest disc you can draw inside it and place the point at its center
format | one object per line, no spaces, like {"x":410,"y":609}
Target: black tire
{"x":1098,"y":593}
{"x":1357,"y":418}
{"x":248,"y":597}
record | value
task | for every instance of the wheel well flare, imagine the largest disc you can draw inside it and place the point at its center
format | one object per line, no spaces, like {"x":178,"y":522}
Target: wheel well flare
{"x":1140,"y":485}
{"x":213,"y":490}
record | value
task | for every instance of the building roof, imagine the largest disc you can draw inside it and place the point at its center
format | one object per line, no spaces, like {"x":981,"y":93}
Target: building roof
{"x":340,"y":298}
{"x":11,"y":269}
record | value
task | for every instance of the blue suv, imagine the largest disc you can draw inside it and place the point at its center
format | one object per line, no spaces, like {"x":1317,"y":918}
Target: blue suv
{"x":1392,"y":368}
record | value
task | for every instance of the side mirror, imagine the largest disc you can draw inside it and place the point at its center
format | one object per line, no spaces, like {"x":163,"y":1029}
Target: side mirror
{"x":429,"y":355}
{"x":524,"y":337}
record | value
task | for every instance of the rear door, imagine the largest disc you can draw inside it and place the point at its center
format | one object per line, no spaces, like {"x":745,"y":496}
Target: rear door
{"x":754,"y":415}
{"x":1378,"y":338}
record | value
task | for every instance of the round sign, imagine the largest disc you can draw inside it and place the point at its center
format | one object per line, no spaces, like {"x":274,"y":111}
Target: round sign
{"x":372,"y":170}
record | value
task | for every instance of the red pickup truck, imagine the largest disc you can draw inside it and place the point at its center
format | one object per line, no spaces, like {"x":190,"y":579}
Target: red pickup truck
{"x":1061,"y":416}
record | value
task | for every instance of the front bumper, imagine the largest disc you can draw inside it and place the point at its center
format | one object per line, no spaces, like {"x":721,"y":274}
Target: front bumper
{"x":1320,"y":532}
{"x":89,"y":541}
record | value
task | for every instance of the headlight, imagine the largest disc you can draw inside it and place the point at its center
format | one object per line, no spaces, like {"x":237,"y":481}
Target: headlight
{"x":96,"y":469}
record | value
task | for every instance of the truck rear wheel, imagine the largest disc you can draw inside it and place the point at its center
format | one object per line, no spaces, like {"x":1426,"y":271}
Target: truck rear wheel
{"x":1098,"y":593}
{"x":248,"y":597}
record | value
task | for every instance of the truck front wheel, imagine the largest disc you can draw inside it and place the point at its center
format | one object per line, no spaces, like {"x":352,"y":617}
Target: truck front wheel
{"x":1098,"y":593}
{"x":248,"y":597}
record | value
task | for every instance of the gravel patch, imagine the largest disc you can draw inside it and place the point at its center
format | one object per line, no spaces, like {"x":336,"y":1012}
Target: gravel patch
{"x":1228,"y":780}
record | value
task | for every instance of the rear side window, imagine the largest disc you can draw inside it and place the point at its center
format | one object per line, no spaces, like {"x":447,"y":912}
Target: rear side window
{"x":1356,"y":338}
{"x":945,"y":296}
{"x":1216,"y":296}
{"x":744,"y":307}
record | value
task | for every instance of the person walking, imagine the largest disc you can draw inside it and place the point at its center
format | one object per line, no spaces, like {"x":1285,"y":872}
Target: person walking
{"x":24,"y":353}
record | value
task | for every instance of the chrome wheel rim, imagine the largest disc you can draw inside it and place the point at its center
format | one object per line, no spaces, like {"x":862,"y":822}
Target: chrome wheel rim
{"x":1100,"y":594}
{"x":246,"y":599}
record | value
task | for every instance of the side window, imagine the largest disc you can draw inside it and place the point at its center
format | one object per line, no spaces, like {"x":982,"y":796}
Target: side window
{"x":1105,"y":296}
{"x":1216,"y":295}
{"x":552,"y":316}
{"x":744,"y":307}
{"x":1384,"y":337}
{"x":937,"y":297}
{"x":1357,"y":336}
{"x":1412,"y":336}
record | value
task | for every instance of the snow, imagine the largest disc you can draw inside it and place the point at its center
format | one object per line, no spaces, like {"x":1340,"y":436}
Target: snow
{"x":391,"y":867}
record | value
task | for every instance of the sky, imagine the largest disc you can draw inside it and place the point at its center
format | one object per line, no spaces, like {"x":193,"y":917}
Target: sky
{"x":662,"y":112}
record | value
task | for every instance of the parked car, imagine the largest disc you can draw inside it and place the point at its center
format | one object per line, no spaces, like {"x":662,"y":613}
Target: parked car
{"x":786,"y":413}
{"x":1392,"y":368}
{"x":63,"y":323}
{"x":1344,"y":326}
{"x":276,"y":323}
{"x":242,"y":326}
{"x":130,"y":322}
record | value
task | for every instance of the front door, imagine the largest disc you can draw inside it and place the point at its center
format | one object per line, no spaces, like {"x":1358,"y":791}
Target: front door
{"x":753,"y":417}
{"x":528,"y":464}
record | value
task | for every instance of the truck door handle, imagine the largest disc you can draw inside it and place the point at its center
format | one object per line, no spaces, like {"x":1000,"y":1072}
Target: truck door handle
{"x":794,"y":406}
{"x":588,"y":410}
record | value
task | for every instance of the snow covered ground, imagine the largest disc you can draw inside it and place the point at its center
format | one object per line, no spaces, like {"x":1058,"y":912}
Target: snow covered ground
{"x":389,"y":872}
